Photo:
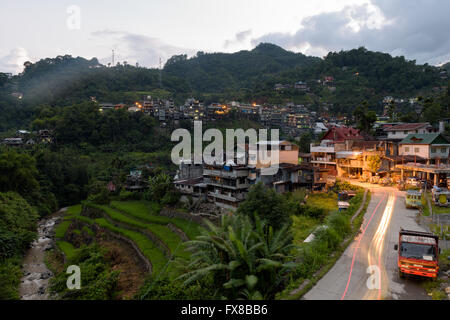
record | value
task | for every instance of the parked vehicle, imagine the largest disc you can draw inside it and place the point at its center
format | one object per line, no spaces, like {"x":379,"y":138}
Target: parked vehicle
{"x":401,"y":185}
{"x":413,"y":199}
{"x":418,"y":254}
{"x":386,"y":181}
{"x":441,"y":197}
{"x":413,"y":181}
{"x":428,"y":184}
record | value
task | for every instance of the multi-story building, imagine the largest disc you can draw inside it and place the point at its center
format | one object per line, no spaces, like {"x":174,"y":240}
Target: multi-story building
{"x":323,"y":158}
{"x":433,"y":147}
{"x":226,"y":184}
{"x":401,"y":131}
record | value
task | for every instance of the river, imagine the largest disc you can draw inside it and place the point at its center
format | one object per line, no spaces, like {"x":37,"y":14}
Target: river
{"x":34,"y":283}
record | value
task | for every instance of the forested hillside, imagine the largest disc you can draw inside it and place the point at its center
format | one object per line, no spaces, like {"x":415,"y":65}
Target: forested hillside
{"x":357,"y":75}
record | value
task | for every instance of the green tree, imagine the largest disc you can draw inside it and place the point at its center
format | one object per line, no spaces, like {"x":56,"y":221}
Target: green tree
{"x":391,"y":111}
{"x":18,"y":173}
{"x":266,"y":204}
{"x":365,"y":119}
{"x":374,"y":163}
{"x":162,"y":190}
{"x":17,"y":224}
{"x":245,"y":259}
{"x":305,"y":142}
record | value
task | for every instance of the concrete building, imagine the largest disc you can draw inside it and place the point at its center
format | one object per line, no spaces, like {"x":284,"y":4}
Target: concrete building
{"x":401,"y":131}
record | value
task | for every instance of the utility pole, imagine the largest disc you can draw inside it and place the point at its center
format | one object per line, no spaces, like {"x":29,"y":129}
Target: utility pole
{"x":113,"y":58}
{"x":160,"y":73}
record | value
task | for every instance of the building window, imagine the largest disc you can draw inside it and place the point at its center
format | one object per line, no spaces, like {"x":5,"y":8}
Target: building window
{"x":443,"y":150}
{"x":406,"y":149}
{"x":416,"y":150}
{"x":433,"y":150}
{"x":405,"y":132}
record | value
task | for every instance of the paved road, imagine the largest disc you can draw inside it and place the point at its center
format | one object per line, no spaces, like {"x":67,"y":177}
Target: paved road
{"x":372,"y":253}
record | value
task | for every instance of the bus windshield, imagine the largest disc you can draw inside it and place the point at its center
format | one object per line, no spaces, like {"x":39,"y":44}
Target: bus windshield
{"x":418,"y":251}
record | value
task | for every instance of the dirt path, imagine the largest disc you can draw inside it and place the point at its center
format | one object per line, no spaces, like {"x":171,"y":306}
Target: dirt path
{"x":36,"y":274}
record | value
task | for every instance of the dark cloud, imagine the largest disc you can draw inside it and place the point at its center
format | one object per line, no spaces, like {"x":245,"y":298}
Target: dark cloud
{"x":417,"y":29}
{"x":133,"y":48}
{"x":239,"y":38}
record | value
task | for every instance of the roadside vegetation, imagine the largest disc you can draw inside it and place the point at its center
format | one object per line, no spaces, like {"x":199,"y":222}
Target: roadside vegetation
{"x":333,"y":232}
{"x":436,"y":288}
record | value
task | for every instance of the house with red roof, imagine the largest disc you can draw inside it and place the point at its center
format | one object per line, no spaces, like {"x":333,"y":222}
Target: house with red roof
{"x":342,"y":134}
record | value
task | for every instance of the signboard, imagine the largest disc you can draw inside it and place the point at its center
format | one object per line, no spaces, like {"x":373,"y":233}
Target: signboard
{"x":418,"y":239}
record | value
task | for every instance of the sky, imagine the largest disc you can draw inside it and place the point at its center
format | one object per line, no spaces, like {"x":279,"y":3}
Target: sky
{"x":145,"y":31}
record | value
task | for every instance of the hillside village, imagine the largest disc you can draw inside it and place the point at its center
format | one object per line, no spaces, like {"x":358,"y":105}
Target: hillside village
{"x":401,"y":151}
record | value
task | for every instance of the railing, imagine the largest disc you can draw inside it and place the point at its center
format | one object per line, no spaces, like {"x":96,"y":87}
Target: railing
{"x":233,"y":198}
{"x":225,"y":174}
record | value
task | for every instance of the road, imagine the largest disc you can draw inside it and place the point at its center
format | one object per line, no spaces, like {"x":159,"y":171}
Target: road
{"x":355,"y":274}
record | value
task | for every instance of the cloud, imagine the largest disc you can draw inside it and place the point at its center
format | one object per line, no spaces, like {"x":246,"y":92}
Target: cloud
{"x":139,"y":48}
{"x":239,"y":38}
{"x":13,"y":62}
{"x":417,"y":29}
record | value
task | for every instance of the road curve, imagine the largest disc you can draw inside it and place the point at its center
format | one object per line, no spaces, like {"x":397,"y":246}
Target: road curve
{"x":367,"y":270}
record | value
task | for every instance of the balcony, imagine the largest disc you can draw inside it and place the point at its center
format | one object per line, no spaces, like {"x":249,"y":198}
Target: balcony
{"x":233,"y":185}
{"x":323,"y":148}
{"x":232,"y":197}
{"x":323,"y":160}
{"x":226,"y":174}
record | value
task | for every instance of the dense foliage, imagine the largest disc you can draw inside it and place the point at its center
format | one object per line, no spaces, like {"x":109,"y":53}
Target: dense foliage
{"x":17,"y":231}
{"x":99,"y":281}
{"x":246,"y":259}
{"x":267,"y":204}
{"x":358,"y":75}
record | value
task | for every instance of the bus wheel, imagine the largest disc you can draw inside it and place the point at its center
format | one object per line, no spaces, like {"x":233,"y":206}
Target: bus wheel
{"x":401,"y":275}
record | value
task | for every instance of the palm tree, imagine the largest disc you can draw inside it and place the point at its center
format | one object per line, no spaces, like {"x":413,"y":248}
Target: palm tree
{"x":245,"y":260}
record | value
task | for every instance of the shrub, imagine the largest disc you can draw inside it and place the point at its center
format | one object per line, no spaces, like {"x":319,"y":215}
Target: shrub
{"x":166,"y":289}
{"x":329,"y":237}
{"x":315,"y":212}
{"x":10,"y":274}
{"x":99,"y":281}
{"x":103,"y":197}
{"x":339,"y":223}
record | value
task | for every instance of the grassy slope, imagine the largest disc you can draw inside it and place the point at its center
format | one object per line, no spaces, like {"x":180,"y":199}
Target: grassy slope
{"x":172,"y":240}
{"x":148,"y":212}
{"x":303,"y":226}
{"x":147,"y":247}
{"x":67,"y":248}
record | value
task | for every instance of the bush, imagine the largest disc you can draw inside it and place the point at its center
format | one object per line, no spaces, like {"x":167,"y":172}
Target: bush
{"x":329,"y":237}
{"x":129,"y":195}
{"x":339,"y":223}
{"x":166,"y":289}
{"x":17,"y":224}
{"x":99,"y":281}
{"x":315,"y":212}
{"x":103,"y":197}
{"x":10,"y":275}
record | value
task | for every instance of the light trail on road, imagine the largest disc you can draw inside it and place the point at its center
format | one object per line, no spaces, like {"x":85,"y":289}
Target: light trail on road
{"x":377,"y":244}
{"x":357,"y":246}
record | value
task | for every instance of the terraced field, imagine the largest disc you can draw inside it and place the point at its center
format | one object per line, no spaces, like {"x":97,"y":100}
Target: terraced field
{"x":170,"y":239}
{"x":139,"y":222}
{"x":148,"y":212}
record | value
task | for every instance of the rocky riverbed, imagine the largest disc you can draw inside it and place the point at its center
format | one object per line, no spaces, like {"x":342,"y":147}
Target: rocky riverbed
{"x":34,"y":283}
